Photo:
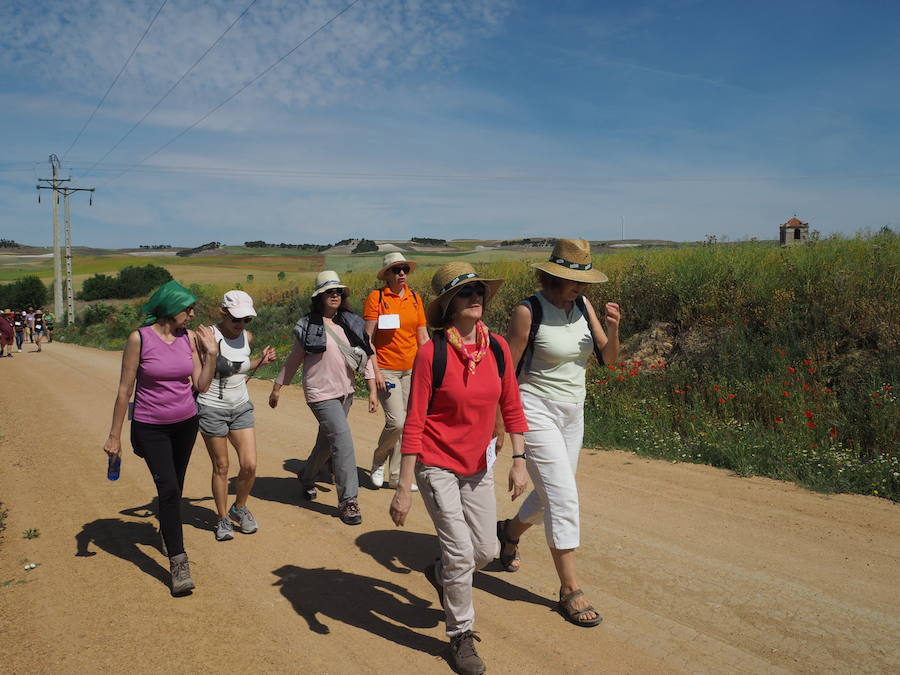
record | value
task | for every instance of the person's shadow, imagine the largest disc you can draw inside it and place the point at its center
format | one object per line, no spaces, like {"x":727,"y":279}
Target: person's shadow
{"x":362,"y":602}
{"x":200,"y":517}
{"x":403,"y":552}
{"x":286,"y":489}
{"x":122,"y":539}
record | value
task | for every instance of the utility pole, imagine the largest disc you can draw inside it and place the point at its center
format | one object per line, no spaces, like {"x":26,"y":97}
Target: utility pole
{"x":55,"y":184}
{"x":70,"y":291}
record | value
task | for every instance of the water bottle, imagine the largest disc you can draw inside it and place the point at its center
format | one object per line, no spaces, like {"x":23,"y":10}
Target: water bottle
{"x":389,"y":385}
{"x":112,"y":470}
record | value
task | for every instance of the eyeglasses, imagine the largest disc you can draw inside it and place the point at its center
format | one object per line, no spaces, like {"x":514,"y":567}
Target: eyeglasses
{"x":335,"y":291}
{"x":469,"y":290}
{"x":245,"y":319}
{"x":400,"y":268}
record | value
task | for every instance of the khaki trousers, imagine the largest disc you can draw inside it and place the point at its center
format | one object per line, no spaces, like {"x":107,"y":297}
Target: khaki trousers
{"x":464,"y":512}
{"x":394,"y":404}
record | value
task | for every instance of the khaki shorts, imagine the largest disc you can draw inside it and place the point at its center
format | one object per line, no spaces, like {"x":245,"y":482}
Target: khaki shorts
{"x":219,"y":421}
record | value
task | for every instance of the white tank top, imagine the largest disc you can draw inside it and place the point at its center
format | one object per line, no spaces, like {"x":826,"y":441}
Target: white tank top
{"x":562,"y":347}
{"x":229,"y":386}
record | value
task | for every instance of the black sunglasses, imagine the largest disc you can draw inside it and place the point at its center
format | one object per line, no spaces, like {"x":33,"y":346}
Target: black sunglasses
{"x":469,"y":290}
{"x":335,"y":291}
{"x":246,"y":319}
{"x":400,"y":268}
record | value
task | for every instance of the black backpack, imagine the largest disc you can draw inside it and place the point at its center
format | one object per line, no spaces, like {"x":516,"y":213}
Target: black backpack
{"x":439,"y":360}
{"x":537,"y":313}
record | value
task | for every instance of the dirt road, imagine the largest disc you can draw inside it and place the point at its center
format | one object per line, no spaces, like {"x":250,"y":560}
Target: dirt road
{"x":694,"y":570}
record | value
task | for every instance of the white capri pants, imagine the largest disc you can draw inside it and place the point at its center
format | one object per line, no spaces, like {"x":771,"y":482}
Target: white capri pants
{"x":552,"y":446}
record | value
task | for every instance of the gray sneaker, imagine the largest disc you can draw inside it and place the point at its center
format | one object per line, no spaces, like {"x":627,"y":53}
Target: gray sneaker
{"x":243,"y":518}
{"x":181,"y":574}
{"x":463,"y":656}
{"x":224,"y":530}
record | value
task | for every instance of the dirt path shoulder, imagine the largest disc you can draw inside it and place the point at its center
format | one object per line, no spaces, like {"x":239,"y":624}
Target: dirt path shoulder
{"x":694,"y":569}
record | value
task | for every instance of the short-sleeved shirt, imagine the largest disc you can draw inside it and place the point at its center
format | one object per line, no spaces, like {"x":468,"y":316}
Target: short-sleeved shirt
{"x":396,"y":347}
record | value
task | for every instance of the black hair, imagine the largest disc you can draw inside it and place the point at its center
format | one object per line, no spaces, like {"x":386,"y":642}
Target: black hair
{"x":549,"y":281}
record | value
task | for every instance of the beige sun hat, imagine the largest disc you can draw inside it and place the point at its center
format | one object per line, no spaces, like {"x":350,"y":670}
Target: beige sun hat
{"x":326,"y":280}
{"x":392,"y":259}
{"x":571,"y":259}
{"x":450,"y":278}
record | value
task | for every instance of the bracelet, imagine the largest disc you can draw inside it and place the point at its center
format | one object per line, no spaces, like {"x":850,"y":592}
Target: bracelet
{"x":522,"y":456}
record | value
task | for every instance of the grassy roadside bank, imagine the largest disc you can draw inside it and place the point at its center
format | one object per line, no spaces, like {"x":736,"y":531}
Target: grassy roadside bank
{"x":761,"y":360}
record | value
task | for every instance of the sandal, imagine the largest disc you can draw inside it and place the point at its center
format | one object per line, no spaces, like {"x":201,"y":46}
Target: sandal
{"x":569,"y":612}
{"x":507,"y":559}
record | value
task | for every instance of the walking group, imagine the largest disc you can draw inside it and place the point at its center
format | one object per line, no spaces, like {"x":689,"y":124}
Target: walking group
{"x":448,"y":400}
{"x":24,"y":326}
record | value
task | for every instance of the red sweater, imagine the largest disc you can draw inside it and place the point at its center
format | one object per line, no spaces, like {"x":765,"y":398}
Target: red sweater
{"x":455,"y":433}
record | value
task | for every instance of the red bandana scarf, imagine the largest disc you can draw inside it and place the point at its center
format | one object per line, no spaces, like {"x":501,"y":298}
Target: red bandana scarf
{"x":482,"y":342}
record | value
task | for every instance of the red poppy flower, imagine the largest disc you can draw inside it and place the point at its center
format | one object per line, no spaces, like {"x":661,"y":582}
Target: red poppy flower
{"x":876,"y":395}
{"x":786,"y":393}
{"x":791,"y":369}
{"x":807,"y":363}
{"x":808,"y":414}
{"x":833,"y":433}
{"x":716,"y":388}
{"x":811,"y":425}
{"x":778,"y":420}
{"x":721,"y":400}
{"x":730,"y":395}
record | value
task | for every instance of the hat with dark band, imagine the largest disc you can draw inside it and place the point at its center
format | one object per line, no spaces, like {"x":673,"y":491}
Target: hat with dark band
{"x":447,"y":280}
{"x":571,"y":259}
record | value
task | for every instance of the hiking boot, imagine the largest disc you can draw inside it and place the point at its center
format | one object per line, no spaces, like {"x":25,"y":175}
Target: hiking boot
{"x":463,"y":656}
{"x":349,"y":512}
{"x":181,"y":574}
{"x":377,"y":475}
{"x":224,"y":530}
{"x":243,"y":518}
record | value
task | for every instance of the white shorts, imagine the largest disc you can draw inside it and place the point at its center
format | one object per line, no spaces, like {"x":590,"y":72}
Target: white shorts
{"x":552,"y":447}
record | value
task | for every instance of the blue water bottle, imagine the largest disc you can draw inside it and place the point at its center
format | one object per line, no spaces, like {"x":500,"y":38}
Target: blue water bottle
{"x":389,"y":385}
{"x":112,"y":470}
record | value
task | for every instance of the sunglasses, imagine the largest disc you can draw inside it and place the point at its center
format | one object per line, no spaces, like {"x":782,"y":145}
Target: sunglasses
{"x":335,"y":291}
{"x":469,"y":290}
{"x":400,"y":268}
{"x":246,"y":319}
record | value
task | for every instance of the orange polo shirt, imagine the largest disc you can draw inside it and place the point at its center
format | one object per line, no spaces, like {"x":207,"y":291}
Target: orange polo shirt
{"x":396,"y":347}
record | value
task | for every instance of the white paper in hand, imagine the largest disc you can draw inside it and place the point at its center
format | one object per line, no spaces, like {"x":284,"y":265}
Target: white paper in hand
{"x":389,"y":321}
{"x":491,"y":453}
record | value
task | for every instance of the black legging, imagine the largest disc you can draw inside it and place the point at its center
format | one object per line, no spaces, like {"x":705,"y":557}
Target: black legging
{"x":167,"y":449}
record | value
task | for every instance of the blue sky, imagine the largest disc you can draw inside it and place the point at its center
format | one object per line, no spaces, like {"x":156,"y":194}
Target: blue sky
{"x":446,"y":118}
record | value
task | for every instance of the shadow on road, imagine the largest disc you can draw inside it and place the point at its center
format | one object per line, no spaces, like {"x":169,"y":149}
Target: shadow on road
{"x":403,"y":552}
{"x":121,"y":538}
{"x":362,"y":602}
{"x":200,"y":517}
{"x":286,"y":489}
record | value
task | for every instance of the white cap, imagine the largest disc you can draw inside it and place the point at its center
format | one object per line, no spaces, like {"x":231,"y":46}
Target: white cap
{"x":239,"y":304}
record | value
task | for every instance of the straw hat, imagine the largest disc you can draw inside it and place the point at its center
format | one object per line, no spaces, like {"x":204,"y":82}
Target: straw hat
{"x":327,"y":280}
{"x":392,"y":259}
{"x":571,"y":259}
{"x":450,"y":278}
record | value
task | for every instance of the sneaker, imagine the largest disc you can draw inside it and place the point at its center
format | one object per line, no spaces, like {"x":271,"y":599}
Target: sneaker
{"x":463,"y":655}
{"x":224,"y":530}
{"x":349,"y":512}
{"x":243,"y":518}
{"x":377,"y":476}
{"x":308,"y":492}
{"x":181,"y":574}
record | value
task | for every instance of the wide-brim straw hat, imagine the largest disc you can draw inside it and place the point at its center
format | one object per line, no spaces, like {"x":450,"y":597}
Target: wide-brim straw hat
{"x":393,"y":258}
{"x":447,"y":280}
{"x":571,"y":259}
{"x":326,"y":280}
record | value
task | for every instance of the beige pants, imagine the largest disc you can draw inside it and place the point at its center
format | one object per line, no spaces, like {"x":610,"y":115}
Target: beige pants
{"x":394,"y":404}
{"x":464,"y":512}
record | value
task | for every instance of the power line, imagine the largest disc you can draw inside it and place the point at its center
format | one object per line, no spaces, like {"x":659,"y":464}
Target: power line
{"x":116,"y":79}
{"x":172,"y":88}
{"x":242,"y":88}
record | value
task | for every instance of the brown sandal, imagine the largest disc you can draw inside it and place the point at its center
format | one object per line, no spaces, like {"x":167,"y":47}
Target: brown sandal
{"x":575,"y":615}
{"x":507,"y":559}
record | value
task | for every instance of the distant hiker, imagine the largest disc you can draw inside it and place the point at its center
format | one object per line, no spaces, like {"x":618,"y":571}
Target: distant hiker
{"x":328,"y":340}
{"x":395,"y":322}
{"x":459,"y":379}
{"x":39,"y":328}
{"x":226,"y":412}
{"x":19,"y":323}
{"x":164,"y":358}
{"x":49,"y":324}
{"x":7,"y":333}
{"x":552,"y":355}
{"x":29,"y":324}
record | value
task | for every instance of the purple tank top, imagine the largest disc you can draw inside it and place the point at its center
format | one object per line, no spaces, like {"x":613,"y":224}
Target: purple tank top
{"x":164,"y":393}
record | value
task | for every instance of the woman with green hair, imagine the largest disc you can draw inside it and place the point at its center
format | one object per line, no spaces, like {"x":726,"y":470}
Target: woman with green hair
{"x":168,"y":362}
